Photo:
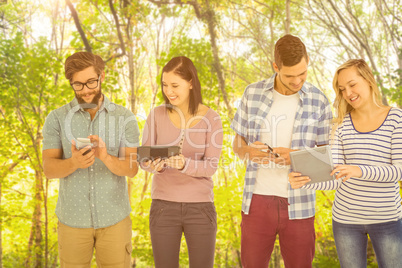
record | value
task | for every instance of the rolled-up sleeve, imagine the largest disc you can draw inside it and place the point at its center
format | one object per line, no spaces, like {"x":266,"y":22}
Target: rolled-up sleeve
{"x":51,"y":132}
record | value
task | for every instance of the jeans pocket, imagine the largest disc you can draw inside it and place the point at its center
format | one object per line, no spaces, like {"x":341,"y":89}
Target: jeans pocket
{"x":127,"y":259}
{"x":157,"y":208}
{"x":209,"y":211}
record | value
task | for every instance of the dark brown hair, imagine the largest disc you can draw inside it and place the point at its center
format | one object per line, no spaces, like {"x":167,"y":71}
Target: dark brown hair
{"x":289,"y":51}
{"x":82,"y":60}
{"x":185,"y":68}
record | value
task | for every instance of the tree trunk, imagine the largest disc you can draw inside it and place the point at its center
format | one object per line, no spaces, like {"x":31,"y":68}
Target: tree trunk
{"x":45,"y":195}
{"x":35,"y":238}
{"x":1,"y":230}
{"x":145,"y":187}
{"x":131,"y":78}
{"x":116,"y":19}
{"x":271,"y":30}
{"x":158,"y":69}
{"x":78,"y":26}
{"x":210,"y":19}
{"x":37,"y":219}
{"x":287,"y":23}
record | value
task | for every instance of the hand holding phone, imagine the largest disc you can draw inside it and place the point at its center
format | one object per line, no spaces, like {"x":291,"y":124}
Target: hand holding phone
{"x":271,"y":150}
{"x":82,"y":143}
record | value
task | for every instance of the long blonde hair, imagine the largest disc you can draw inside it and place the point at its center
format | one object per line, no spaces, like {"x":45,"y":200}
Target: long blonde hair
{"x":342,"y":107}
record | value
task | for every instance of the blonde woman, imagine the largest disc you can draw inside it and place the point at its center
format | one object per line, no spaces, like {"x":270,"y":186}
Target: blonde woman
{"x":367,"y":150}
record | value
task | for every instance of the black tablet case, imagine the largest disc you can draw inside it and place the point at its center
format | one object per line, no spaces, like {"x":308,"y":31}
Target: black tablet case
{"x":145,"y":153}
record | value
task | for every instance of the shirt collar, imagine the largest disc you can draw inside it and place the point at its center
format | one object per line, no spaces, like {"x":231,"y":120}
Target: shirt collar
{"x":270,"y":82}
{"x":106,"y":104}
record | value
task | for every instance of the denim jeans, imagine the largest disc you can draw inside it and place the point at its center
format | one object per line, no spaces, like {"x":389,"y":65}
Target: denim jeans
{"x":351,"y":243}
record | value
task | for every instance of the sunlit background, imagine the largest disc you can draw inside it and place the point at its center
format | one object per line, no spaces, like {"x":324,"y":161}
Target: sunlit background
{"x":231,"y":43}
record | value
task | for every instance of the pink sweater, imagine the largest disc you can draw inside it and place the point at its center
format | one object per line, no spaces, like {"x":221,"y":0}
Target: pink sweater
{"x":201,"y":148}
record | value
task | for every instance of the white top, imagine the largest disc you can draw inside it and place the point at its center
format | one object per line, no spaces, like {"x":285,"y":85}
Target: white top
{"x":375,"y":197}
{"x":276,"y":131}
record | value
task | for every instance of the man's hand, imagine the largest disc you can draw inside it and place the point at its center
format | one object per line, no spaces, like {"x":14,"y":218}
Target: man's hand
{"x":346,"y":172}
{"x":99,"y":147}
{"x":258,"y":153}
{"x":284,"y":157}
{"x":296,"y":180}
{"x":79,"y":159}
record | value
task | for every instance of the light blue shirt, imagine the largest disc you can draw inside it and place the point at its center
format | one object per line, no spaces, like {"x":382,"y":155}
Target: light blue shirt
{"x":93,"y":197}
{"x":311,"y":128}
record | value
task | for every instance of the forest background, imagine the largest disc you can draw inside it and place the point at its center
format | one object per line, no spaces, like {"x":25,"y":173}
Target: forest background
{"x":231,"y":43}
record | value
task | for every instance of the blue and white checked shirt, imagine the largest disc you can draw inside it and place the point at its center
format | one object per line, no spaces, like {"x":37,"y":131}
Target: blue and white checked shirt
{"x":311,"y":128}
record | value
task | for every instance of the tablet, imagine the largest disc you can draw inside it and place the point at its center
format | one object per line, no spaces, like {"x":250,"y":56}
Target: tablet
{"x":313,"y":162}
{"x":145,"y":153}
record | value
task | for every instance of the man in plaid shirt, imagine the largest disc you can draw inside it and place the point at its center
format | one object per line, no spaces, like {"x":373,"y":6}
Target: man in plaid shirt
{"x":288,"y":114}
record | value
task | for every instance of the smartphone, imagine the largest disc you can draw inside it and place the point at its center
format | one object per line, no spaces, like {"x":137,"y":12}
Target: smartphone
{"x":83,"y":142}
{"x":271,"y":150}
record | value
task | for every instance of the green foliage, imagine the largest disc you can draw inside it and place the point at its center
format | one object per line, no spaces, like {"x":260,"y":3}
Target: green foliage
{"x":29,"y":86}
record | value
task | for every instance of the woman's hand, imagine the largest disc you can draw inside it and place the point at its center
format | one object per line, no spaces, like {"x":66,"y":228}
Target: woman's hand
{"x":347,"y":171}
{"x":296,"y":180}
{"x":177,"y":161}
{"x":156,"y":165}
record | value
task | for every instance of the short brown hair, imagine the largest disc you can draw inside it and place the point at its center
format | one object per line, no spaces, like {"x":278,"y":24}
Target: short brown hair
{"x":289,"y":51}
{"x":184,"y":67}
{"x":82,"y":60}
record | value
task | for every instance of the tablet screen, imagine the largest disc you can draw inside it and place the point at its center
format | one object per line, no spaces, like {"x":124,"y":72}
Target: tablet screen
{"x":313,"y":162}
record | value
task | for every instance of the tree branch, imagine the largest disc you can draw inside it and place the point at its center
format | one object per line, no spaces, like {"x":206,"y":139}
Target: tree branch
{"x":78,"y":26}
{"x":13,"y":165}
{"x":116,"y":19}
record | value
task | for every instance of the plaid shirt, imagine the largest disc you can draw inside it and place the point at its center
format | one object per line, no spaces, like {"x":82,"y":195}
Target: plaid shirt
{"x":311,"y":128}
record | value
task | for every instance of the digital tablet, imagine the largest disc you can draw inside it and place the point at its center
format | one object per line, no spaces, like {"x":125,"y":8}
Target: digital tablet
{"x":145,"y":153}
{"x":313,"y":162}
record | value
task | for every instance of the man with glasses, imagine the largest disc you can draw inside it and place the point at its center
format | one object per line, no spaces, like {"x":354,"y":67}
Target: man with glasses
{"x":93,"y":206}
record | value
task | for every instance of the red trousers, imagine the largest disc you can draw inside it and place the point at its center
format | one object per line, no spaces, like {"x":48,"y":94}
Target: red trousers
{"x":267,"y":218}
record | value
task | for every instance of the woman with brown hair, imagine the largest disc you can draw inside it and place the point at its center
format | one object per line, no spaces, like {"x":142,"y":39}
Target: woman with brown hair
{"x":182,"y":189}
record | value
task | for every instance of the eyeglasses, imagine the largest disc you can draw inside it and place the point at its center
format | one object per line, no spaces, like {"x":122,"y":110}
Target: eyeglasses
{"x":91,"y":84}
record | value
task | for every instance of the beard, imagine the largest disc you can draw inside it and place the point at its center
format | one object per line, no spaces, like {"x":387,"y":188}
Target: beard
{"x":288,"y":87}
{"x":95,"y":101}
